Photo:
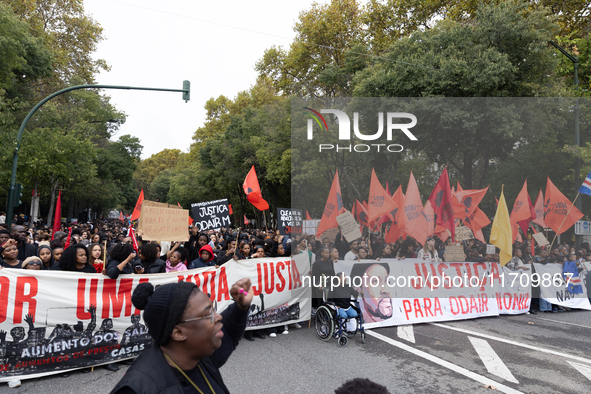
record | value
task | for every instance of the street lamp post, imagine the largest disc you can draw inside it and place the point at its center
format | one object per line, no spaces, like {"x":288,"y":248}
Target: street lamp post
{"x":13,"y":189}
{"x":575,"y":60}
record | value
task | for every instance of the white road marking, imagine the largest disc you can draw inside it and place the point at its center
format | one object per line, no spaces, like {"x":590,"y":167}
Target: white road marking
{"x":455,"y":368}
{"x":491,"y":360}
{"x":562,"y":322}
{"x":584,"y":369}
{"x":536,"y":348}
{"x":406,"y":333}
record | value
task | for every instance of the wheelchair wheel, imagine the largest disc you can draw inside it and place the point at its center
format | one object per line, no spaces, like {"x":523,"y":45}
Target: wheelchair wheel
{"x":324,"y":324}
{"x":362,"y":337}
{"x":348,"y":333}
{"x":343,"y":341}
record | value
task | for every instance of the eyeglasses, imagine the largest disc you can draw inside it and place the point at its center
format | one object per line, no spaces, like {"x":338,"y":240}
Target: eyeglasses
{"x":211,"y":315}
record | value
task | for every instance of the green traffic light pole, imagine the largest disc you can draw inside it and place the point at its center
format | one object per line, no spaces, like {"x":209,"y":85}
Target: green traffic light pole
{"x":579,"y":202}
{"x":9,"y":209}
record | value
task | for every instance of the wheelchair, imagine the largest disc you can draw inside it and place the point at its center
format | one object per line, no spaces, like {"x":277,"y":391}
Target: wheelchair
{"x":329,"y":324}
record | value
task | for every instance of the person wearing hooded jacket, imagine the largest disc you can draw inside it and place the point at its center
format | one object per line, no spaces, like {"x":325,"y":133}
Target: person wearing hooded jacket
{"x":46,"y":255}
{"x":207,"y":258}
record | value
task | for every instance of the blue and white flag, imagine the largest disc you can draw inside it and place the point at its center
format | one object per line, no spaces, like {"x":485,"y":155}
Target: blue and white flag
{"x":586,"y":186}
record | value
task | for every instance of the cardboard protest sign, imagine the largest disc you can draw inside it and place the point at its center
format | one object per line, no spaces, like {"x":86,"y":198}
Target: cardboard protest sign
{"x":309,"y":226}
{"x":463,"y":233}
{"x":164,"y":224}
{"x":289,"y":221}
{"x":490,"y":249}
{"x":211,"y":214}
{"x":455,"y":252}
{"x":541,"y":239}
{"x":348,"y":226}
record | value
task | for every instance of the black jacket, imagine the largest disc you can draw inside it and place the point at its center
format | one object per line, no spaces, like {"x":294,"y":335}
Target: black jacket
{"x":157,"y":266}
{"x":113,"y":271}
{"x":151,"y":373}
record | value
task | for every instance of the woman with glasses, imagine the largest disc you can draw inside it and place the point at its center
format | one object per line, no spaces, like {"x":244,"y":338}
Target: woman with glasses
{"x":191,"y":340}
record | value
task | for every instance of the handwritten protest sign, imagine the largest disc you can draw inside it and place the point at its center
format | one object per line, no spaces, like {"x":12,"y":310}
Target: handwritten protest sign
{"x":309,"y":226}
{"x":164,"y":224}
{"x":349,"y":227}
{"x":463,"y":233}
{"x":211,"y":214}
{"x":289,"y":221}
{"x":541,"y":239}
{"x":490,"y":249}
{"x":454,"y":253}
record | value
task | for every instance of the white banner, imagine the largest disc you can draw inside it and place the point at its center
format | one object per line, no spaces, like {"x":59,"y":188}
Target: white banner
{"x":553,"y":286}
{"x":51,"y":321}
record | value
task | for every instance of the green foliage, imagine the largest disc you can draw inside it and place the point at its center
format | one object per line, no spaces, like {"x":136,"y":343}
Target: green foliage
{"x":147,"y":170}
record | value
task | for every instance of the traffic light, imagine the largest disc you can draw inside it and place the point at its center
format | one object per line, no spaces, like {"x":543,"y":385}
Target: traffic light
{"x":16,"y":197}
{"x":187,"y":90}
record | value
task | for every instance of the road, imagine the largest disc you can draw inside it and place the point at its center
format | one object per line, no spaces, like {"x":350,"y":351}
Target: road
{"x":544,"y":353}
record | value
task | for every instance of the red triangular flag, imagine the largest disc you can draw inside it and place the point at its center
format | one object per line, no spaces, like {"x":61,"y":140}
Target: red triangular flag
{"x":69,"y":239}
{"x":308,"y":217}
{"x":230,"y":208}
{"x":415,"y":223}
{"x":138,"y":207}
{"x":441,"y":203}
{"x":246,"y":222}
{"x":523,"y":211}
{"x":395,"y":231}
{"x":477,"y":220}
{"x":333,"y":207}
{"x":560,"y":212}
{"x":459,"y":188}
{"x":253,"y":191}
{"x":131,"y":233}
{"x":430,"y":217}
{"x":361,"y":214}
{"x":57,"y":219}
{"x":121,"y":216}
{"x":539,"y":208}
{"x":465,"y":202}
{"x":380,"y":203}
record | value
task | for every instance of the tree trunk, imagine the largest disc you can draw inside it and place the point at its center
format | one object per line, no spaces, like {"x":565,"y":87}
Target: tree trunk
{"x":70,"y":210}
{"x":52,"y":202}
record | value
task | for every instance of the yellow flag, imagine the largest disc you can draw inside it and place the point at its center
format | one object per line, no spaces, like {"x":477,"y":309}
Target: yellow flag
{"x":500,"y":235}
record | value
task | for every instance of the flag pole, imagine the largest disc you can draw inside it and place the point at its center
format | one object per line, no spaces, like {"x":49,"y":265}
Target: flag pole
{"x":563,"y":220}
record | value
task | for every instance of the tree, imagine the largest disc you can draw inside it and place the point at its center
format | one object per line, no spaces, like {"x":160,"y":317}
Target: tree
{"x":150,"y":168}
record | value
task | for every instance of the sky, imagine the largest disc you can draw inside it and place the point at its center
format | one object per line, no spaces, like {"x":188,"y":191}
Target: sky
{"x":158,"y":44}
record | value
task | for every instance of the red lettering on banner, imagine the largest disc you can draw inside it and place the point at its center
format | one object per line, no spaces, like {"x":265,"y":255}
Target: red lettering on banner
{"x":223,"y":285}
{"x":463,"y":300}
{"x":451,"y":307}
{"x":116,"y":298}
{"x":468,"y":271}
{"x":281,"y":280}
{"x":418,"y":308}
{"x":417,"y":285}
{"x":507,"y":307}
{"x":484,"y":300}
{"x":209,"y":276}
{"x":269,"y":277}
{"x":407,"y":307}
{"x":297,"y":282}
{"x":426,"y":275}
{"x":440,"y":268}
{"x":288,"y":264}
{"x":434,"y":274}
{"x":480,"y":279}
{"x":437,"y":307}
{"x":258,"y":290}
{"x":427,"y":304}
{"x":473,"y":304}
{"x":20,"y":298}
{"x":81,"y":309}
{"x":458,"y":267}
{"x":4,"y":289}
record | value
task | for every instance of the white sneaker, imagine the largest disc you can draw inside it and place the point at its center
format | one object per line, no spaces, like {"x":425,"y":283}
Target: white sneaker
{"x":272,"y":335}
{"x":285,"y":332}
{"x":14,"y":383}
{"x":297,"y":325}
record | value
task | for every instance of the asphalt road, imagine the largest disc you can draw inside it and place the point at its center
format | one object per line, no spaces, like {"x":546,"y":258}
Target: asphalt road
{"x":544,"y":353}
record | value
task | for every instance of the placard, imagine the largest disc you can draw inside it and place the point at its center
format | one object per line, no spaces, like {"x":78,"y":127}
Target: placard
{"x":211,"y":214}
{"x":309,"y":227}
{"x":348,"y":226}
{"x":491,"y":249}
{"x":540,"y":239}
{"x":289,"y":221}
{"x":455,"y":253}
{"x":164,"y":224}
{"x":463,"y":233}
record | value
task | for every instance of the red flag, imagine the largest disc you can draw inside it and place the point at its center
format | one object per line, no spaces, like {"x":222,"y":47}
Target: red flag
{"x":414,"y":223}
{"x":465,"y":202}
{"x":459,"y":188}
{"x":380,"y":203}
{"x":388,"y":189}
{"x":246,"y":222}
{"x":560,"y":212}
{"x":57,"y":219}
{"x":138,"y":207}
{"x":230,"y":208}
{"x":539,"y":208}
{"x":131,"y":233}
{"x":362,"y":215}
{"x":523,"y":211}
{"x":308,"y":217}
{"x":430,"y":217}
{"x":121,"y":216}
{"x":69,"y":239}
{"x":253,"y":191}
{"x":477,"y":220}
{"x":441,"y":203}
{"x":479,"y":236}
{"x":365,"y":205}
{"x":333,"y":207}
{"x":353,"y":208}
{"x":395,"y":231}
